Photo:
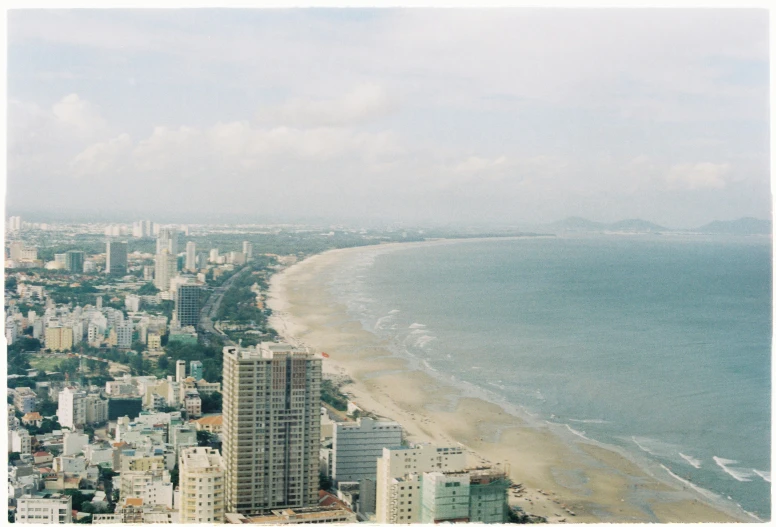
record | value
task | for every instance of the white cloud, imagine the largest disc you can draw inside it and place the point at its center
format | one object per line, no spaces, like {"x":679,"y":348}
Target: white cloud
{"x":692,"y":176}
{"x":74,"y":112}
{"x":361,"y":104}
{"x":101,"y":159}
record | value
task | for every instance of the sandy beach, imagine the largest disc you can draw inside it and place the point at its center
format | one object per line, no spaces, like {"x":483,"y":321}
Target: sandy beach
{"x":564,"y":481}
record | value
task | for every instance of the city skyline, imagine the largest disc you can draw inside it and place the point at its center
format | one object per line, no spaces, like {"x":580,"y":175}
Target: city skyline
{"x":401,"y":115}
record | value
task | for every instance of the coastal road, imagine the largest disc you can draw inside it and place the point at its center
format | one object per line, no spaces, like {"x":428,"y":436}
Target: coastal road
{"x":210,"y":309}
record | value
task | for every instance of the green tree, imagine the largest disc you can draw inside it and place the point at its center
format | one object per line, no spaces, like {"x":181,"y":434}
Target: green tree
{"x":211,"y":403}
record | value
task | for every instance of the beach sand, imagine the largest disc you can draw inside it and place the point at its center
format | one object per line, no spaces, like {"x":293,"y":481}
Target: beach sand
{"x":571,"y":481}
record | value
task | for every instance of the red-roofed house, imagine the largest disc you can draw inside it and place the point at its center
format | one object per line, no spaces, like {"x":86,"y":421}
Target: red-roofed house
{"x":32,"y":418}
{"x":42,"y":457}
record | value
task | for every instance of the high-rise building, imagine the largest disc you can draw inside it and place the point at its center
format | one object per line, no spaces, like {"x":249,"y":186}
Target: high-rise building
{"x":195,"y":370}
{"x":356,"y":447}
{"x":164,"y":269}
{"x":248,"y":250}
{"x":213,"y":256}
{"x":59,"y":338}
{"x":168,"y":239}
{"x":187,"y":304}
{"x":191,"y":256}
{"x":180,"y":370}
{"x":272,"y":427}
{"x":201,"y":485}
{"x":14,"y":223}
{"x":116,"y":258}
{"x":74,"y":261}
{"x":71,"y":410}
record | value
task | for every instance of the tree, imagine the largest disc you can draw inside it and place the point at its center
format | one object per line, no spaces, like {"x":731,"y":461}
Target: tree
{"x":211,"y":403}
{"x":163,"y":363}
{"x":205,"y":438}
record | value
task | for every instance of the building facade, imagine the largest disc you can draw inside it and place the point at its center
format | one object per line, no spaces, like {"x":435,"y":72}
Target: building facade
{"x":187,"y":304}
{"x":356,"y":447}
{"x":74,"y":261}
{"x":116,"y":258}
{"x":72,"y":408}
{"x":56,"y":508}
{"x":201,"y":485}
{"x":165,"y":268}
{"x":271,"y":411}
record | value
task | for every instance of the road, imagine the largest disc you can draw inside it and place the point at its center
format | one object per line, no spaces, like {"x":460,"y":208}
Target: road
{"x":210,"y":309}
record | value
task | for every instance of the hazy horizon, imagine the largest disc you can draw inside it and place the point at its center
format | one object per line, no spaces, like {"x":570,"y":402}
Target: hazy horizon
{"x":421,"y":116}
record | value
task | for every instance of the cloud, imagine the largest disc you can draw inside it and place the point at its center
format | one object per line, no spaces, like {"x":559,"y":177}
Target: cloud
{"x":693,"y":176}
{"x":361,"y":104}
{"x":103,"y":158}
{"x":74,"y":112}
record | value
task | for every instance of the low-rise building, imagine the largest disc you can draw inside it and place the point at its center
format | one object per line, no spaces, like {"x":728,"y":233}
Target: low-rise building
{"x":54,"y":508}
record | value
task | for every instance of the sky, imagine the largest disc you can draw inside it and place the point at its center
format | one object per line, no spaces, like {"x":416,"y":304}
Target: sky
{"x":403,"y":115}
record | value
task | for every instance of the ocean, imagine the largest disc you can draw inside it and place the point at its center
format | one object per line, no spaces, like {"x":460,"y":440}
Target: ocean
{"x":659,"y":346}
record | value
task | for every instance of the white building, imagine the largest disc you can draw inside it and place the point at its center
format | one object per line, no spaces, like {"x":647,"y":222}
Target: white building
{"x":20,"y":441}
{"x":53,"y":509}
{"x":356,"y":447}
{"x":202,"y":483}
{"x":153,"y":486}
{"x":165,"y":268}
{"x":191,"y":256}
{"x":72,"y":408}
{"x":73,"y":442}
{"x":398,"y":478}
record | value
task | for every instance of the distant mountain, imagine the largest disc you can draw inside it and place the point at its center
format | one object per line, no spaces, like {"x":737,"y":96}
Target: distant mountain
{"x":577,"y":224}
{"x":636,"y":226}
{"x":741,"y":226}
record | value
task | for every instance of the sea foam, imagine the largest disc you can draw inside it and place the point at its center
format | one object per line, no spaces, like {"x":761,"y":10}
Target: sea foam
{"x":691,"y":460}
{"x":737,"y":474}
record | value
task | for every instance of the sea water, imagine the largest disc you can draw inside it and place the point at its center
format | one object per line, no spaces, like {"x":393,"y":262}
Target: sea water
{"x":658,"y":345}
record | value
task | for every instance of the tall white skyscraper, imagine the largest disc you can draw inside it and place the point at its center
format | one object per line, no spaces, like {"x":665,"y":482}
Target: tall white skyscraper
{"x":272,"y":426}
{"x":165,"y":268}
{"x":248,"y":250}
{"x":191,"y":256}
{"x":14,"y":223}
{"x":168,"y":239}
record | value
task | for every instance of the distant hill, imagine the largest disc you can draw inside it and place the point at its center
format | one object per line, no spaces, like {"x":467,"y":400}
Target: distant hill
{"x":577,"y":224}
{"x":741,"y":226}
{"x":636,"y":226}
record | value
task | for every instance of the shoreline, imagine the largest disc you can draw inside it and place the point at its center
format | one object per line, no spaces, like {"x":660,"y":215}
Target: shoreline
{"x":563,"y":480}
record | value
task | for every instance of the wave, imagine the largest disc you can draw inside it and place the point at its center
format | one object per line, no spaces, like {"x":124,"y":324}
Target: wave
{"x":416,"y":325}
{"x":763,"y":474}
{"x":737,"y":474}
{"x":642,"y":447}
{"x":590,"y":421}
{"x":381,"y":321}
{"x":422,"y":341}
{"x":393,"y":311}
{"x":577,"y":432}
{"x":418,"y":331}
{"x":691,"y":460}
{"x":427,"y":365}
{"x":705,"y":492}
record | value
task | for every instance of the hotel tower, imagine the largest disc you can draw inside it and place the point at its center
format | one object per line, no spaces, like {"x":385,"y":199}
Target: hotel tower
{"x":272,"y":428}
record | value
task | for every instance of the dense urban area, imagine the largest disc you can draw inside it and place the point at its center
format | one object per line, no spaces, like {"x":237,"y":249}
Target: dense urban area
{"x":145,"y":385}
